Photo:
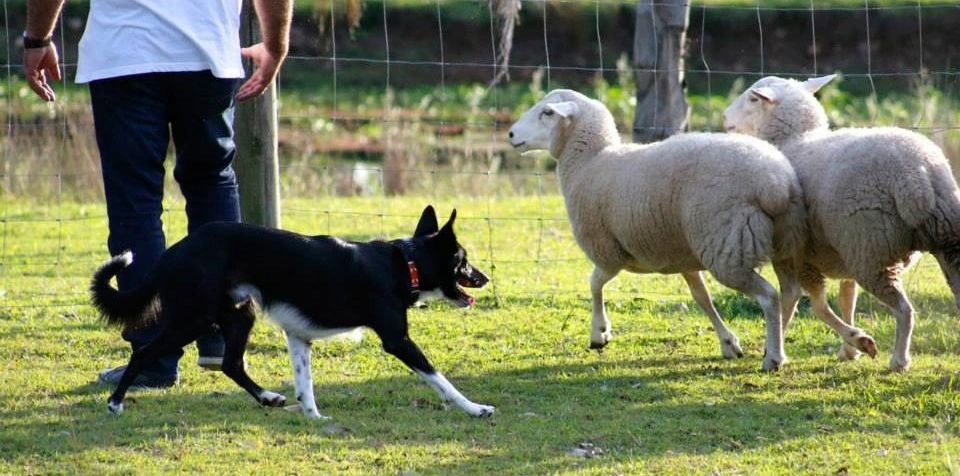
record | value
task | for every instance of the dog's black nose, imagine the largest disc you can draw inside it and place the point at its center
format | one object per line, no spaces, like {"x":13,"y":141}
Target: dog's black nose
{"x":510,"y":135}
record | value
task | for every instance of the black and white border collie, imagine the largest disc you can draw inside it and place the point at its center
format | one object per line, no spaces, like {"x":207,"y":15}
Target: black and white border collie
{"x":312,"y":286}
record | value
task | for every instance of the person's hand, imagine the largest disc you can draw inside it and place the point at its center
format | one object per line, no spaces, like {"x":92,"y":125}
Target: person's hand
{"x":39,"y":65}
{"x":266,"y":64}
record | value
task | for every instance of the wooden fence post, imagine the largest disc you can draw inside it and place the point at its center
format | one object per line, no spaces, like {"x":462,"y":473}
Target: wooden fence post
{"x":257,"y":163}
{"x":658,"y":48}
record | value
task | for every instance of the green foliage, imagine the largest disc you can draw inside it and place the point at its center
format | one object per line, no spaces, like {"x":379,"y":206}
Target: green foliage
{"x":658,"y":400}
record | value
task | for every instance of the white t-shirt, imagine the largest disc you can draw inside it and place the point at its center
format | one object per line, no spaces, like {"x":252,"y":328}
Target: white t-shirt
{"x":125,"y":37}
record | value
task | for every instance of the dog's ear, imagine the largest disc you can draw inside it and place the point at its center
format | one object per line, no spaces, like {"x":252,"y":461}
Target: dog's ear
{"x":448,"y":227}
{"x":428,"y":222}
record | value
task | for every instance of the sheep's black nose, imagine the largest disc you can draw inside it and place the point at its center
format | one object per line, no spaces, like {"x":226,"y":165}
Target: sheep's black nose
{"x":510,"y":135}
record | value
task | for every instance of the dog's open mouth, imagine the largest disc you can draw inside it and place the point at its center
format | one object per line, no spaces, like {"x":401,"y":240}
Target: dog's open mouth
{"x":464,"y":299}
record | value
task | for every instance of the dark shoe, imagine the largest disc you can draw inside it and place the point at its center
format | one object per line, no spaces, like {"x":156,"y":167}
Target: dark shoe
{"x":144,"y":380}
{"x":215,"y":363}
{"x":210,"y":362}
{"x":210,"y":351}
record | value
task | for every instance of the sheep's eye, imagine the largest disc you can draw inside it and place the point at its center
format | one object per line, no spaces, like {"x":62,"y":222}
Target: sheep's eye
{"x":753,"y":99}
{"x":547,"y":112}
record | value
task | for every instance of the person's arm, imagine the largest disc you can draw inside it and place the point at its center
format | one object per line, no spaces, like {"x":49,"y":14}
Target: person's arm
{"x":42,"y":62}
{"x":274,"y":17}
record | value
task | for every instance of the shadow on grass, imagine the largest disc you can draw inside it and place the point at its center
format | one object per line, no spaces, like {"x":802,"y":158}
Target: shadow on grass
{"x":543,"y":412}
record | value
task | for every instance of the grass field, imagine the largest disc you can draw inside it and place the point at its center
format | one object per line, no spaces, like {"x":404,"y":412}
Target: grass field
{"x":658,"y":400}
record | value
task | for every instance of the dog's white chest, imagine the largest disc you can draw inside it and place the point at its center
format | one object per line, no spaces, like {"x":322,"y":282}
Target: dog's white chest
{"x":293,"y":322}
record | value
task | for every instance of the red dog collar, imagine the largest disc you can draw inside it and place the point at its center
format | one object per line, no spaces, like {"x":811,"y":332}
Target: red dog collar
{"x":414,"y":275}
{"x":407,"y":247}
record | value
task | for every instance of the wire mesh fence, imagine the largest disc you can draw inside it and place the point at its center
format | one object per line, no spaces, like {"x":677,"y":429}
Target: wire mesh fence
{"x":402,"y":109}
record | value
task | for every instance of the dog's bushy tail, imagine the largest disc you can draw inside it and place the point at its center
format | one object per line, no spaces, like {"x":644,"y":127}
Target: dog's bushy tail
{"x":124,"y":309}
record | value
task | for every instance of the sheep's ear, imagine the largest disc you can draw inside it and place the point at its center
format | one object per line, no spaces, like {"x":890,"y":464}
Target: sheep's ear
{"x":764,"y":93}
{"x":814,"y":84}
{"x":565,"y":109}
{"x":427,"y":223}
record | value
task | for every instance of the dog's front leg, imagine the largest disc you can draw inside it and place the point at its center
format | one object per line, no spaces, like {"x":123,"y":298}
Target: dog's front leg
{"x":303,"y":381}
{"x":408,"y":352}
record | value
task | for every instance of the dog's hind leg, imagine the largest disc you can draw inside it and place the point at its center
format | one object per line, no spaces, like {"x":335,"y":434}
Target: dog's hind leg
{"x":235,"y":326}
{"x":169,"y":340}
{"x":303,"y":380}
{"x":404,"y":349}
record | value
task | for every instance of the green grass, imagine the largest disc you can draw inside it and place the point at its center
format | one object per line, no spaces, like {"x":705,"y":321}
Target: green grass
{"x":658,"y":400}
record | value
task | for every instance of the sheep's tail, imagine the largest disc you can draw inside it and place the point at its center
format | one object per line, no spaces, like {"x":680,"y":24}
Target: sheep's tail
{"x":929,"y":202}
{"x":790,"y":228}
{"x":942,"y":234}
{"x":125,"y":309}
{"x":782,"y":200}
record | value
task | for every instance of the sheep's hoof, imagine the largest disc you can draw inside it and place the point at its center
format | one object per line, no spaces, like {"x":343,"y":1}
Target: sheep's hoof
{"x":600,"y":340}
{"x":597,"y":345}
{"x":730,"y":348}
{"x":772,"y":365}
{"x":899,"y":365}
{"x":864,"y":343}
{"x":848,"y":353}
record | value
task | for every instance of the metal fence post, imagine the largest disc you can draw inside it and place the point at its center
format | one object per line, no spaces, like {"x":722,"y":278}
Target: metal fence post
{"x":257,"y":163}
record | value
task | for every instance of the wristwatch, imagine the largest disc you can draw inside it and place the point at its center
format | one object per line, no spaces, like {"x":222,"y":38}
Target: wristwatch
{"x":30,"y":43}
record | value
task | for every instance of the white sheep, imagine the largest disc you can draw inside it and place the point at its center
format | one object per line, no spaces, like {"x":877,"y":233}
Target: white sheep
{"x":693,"y":202}
{"x":874,"y":197}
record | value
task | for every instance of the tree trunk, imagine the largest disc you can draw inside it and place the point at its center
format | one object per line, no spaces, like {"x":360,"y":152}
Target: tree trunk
{"x":658,"y":48}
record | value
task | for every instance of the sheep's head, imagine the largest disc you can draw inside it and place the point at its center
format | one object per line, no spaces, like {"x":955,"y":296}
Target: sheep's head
{"x":548,"y":124}
{"x":774,"y":104}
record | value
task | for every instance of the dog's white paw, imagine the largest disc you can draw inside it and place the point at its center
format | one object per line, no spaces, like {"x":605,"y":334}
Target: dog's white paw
{"x":730,"y":347}
{"x":272,"y":399}
{"x":115,"y":408}
{"x":314,"y":414}
{"x":477,"y":410}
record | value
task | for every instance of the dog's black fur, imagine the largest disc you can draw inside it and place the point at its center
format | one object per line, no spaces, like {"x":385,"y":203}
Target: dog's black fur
{"x":214,"y":276}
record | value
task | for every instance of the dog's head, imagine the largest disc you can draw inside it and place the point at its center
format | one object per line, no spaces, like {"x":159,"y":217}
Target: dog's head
{"x":442,"y":262}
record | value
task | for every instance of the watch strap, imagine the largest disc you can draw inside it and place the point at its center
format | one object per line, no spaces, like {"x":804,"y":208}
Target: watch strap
{"x":30,"y":42}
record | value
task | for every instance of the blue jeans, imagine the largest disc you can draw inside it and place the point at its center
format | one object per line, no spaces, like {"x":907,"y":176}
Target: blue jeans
{"x":134,"y":118}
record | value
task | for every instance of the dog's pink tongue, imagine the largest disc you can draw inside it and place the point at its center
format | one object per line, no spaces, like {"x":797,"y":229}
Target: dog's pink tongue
{"x":465,"y":298}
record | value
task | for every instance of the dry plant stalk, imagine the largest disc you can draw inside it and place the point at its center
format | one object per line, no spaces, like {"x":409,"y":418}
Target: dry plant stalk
{"x":323,"y":13}
{"x":507,"y":13}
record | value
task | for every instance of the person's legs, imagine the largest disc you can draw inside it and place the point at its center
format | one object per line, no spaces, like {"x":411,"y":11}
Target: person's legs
{"x":131,"y":125}
{"x":202,"y":110}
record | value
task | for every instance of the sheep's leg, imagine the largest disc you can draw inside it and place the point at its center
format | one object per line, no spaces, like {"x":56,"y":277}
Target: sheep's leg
{"x":851,"y":335}
{"x":749,"y":282}
{"x":600,"y":333}
{"x":848,"y":307}
{"x":729,"y":343}
{"x":816,"y":285}
{"x":891,"y":294}
{"x":949,"y":262}
{"x":790,"y":291}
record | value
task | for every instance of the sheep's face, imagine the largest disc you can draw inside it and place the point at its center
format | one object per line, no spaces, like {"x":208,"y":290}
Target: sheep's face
{"x":539,"y":127}
{"x":752,"y":109}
